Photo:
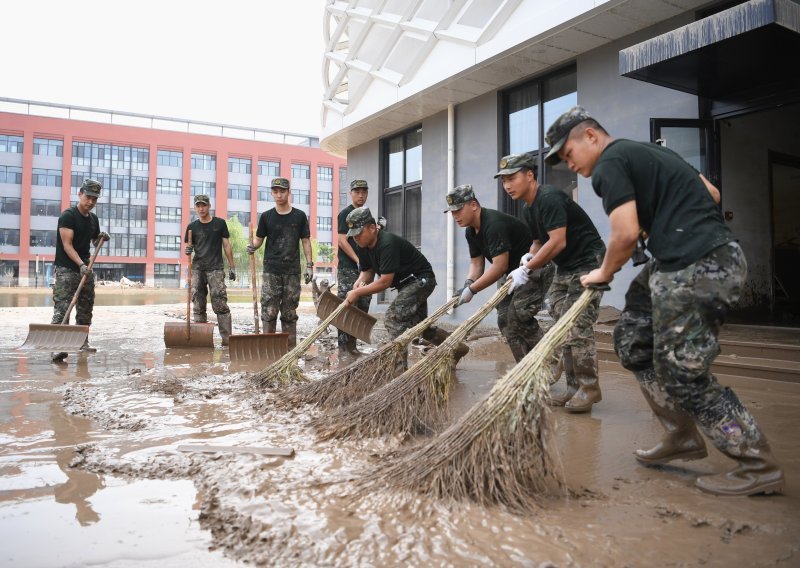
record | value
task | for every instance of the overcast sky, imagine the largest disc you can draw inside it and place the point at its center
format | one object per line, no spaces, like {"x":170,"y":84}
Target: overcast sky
{"x":252,"y":63}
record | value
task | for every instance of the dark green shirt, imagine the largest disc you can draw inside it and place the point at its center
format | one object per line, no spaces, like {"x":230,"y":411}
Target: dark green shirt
{"x":553,"y":209}
{"x":207,"y":242}
{"x":345,"y":261}
{"x":499,"y":233}
{"x":395,"y":255}
{"x":283,"y":234}
{"x":674,"y":207}
{"x":85,"y":230}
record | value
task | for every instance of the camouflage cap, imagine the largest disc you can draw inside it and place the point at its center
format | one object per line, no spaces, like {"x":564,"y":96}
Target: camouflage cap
{"x":357,"y":219}
{"x":91,"y":187}
{"x":202,"y":199}
{"x":513,"y":163}
{"x":458,"y":197}
{"x":282,"y":183}
{"x":559,"y":131}
{"x":358,"y":184}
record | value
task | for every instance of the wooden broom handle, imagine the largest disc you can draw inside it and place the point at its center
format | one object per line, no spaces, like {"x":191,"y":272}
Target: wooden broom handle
{"x":81,"y":283}
{"x":253,"y":279}
{"x":189,"y":293}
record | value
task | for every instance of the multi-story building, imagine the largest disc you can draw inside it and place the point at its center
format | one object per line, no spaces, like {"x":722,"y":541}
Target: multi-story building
{"x":150,"y":167}
{"x":424,"y":95}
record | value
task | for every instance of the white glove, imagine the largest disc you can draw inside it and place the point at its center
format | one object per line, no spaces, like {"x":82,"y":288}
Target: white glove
{"x":465,"y":296}
{"x":525,"y":259}
{"x":519,"y":276}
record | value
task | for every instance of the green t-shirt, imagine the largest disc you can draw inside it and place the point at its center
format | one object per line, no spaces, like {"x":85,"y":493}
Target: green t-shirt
{"x":395,"y":255}
{"x":207,"y":241}
{"x":283,"y":234}
{"x":674,"y":207}
{"x":499,"y":233}
{"x":554,"y":209}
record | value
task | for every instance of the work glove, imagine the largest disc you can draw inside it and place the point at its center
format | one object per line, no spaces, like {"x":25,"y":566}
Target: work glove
{"x":188,"y":250}
{"x":85,"y":270}
{"x":464,"y":294}
{"x":251,"y":249}
{"x":309,"y":272}
{"x":526,"y":258}
{"x":231,"y":275}
{"x":519,"y":277}
{"x":103,"y":236}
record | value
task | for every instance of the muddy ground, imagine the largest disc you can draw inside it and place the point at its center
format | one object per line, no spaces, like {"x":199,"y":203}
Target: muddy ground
{"x":90,"y":473}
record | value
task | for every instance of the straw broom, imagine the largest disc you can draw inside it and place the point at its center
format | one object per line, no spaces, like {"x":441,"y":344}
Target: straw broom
{"x":500,"y":451}
{"x":285,"y":371}
{"x":414,"y":401}
{"x":362,"y":377}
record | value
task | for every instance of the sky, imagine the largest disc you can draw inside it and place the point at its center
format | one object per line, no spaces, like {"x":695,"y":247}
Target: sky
{"x":255,"y":63}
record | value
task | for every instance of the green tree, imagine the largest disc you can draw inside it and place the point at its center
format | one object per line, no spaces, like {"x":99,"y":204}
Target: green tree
{"x":240,"y":238}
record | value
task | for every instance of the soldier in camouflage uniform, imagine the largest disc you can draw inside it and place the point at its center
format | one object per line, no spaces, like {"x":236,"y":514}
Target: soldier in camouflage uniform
{"x":501,"y":240}
{"x":347,"y":268}
{"x":400,"y":266}
{"x":562,"y":234}
{"x":667,"y":333}
{"x":78,"y":227}
{"x":209,"y":235}
{"x":283,"y":227}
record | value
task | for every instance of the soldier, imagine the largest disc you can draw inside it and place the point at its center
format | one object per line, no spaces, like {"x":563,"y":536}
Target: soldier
{"x":347,"y":267}
{"x":501,"y":240}
{"x":208,"y":274}
{"x":667,"y":333}
{"x":77,"y":228}
{"x":284,"y":228}
{"x":564,"y":235}
{"x":400,"y":266}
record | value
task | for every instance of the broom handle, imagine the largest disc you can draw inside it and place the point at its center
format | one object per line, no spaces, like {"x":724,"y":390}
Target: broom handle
{"x":74,"y":301}
{"x":413,"y":332}
{"x":189,"y":294}
{"x":253,"y":279}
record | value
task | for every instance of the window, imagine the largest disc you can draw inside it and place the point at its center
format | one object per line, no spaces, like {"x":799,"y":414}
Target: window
{"x":45,"y":208}
{"x":120,"y":215}
{"x":50,"y":178}
{"x":301,"y":197}
{"x":242,"y":216}
{"x":139,"y":187}
{"x":101,"y":155}
{"x":324,"y":173}
{"x":9,"y":237}
{"x":204,"y":188}
{"x":11,"y":174}
{"x":10,"y":143}
{"x":10,"y":205}
{"x":168,"y":214}
{"x":344,"y":188}
{"x":47,"y":147}
{"x":236,"y":191}
{"x":204,"y":162}
{"x":121,"y":157}
{"x":402,"y":184}
{"x":239,"y":165}
{"x":123,"y":244}
{"x":301,"y":171}
{"x":169,"y":186}
{"x":193,"y":214}
{"x":270,"y":169}
{"x":167,"y":275}
{"x":324,"y":198}
{"x":170,"y":158}
{"x":324,"y":223}
{"x":140,"y":158}
{"x":81,"y":153}
{"x":43,"y":238}
{"x":264,"y":193}
{"x":528,"y":110}
{"x":168,"y":242}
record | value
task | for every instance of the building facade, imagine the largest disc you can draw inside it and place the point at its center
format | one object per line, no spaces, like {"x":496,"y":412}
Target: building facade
{"x":149,"y":172}
{"x":424,"y":95}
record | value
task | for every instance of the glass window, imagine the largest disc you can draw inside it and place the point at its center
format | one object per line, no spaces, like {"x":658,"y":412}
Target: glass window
{"x":48,"y":147}
{"x":301,"y":171}
{"x":414,"y":156}
{"x":324,"y":223}
{"x":204,"y":188}
{"x":11,"y":174}
{"x":402,"y":184}
{"x":10,"y":205}
{"x":204,"y":162}
{"x":121,"y":157}
{"x":168,"y":214}
{"x":242,"y":216}
{"x":267,"y":168}
{"x":169,"y":186}
{"x":168,"y":242}
{"x":324,"y":173}
{"x":343,"y":184}
{"x":9,"y":237}
{"x":237,"y":191}
{"x":50,"y":178}
{"x":264,"y":193}
{"x":140,"y":158}
{"x":11,"y":143}
{"x":43,"y":238}
{"x":324,"y":198}
{"x":170,"y":158}
{"x":239,"y":165}
{"x":45,"y":208}
{"x":301,"y":197}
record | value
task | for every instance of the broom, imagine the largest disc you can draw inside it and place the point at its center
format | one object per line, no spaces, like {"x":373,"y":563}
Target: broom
{"x":285,"y":370}
{"x":416,"y":400}
{"x":362,"y":377}
{"x":500,"y":451}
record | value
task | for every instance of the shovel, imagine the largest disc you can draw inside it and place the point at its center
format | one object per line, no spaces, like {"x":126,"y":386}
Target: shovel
{"x":178,"y":334}
{"x":61,"y":337}
{"x":262,"y":347}
{"x":351,"y":320}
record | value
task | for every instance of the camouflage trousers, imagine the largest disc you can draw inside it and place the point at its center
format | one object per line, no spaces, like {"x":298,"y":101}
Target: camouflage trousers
{"x":410,"y":307}
{"x":579,"y":354}
{"x":516,"y":313}
{"x":668,"y":336}
{"x":64,"y":289}
{"x":280,"y":293}
{"x":345,"y":278}
{"x":205,"y":283}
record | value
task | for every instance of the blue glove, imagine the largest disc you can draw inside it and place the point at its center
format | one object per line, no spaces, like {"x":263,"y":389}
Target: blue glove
{"x":519,"y":276}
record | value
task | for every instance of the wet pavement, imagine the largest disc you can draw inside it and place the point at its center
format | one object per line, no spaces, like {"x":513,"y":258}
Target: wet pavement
{"x":91,"y":473}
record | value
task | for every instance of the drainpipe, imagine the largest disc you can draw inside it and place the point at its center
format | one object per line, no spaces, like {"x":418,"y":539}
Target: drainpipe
{"x":451,"y":176}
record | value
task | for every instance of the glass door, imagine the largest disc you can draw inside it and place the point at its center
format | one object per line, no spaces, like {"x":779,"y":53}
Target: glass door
{"x":694,"y":140}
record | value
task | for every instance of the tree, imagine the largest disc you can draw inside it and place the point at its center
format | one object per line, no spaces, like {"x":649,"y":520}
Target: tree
{"x":240,"y":238}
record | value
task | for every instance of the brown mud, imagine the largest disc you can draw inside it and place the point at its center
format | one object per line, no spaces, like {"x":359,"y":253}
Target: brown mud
{"x":91,"y":474}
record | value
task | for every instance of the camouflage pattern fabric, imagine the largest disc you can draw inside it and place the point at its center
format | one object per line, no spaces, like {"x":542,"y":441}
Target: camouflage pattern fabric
{"x":208,"y":282}
{"x":579,"y":351}
{"x":280,"y":293}
{"x":345,"y":278}
{"x":516,"y":313}
{"x":410,"y":307}
{"x":64,"y":289}
{"x":668,"y":332}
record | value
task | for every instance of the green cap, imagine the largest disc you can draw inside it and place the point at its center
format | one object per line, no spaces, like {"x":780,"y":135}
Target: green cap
{"x":559,"y":131}
{"x":458,"y":197}
{"x":357,"y":219}
{"x":202,"y":199}
{"x":282,"y":183}
{"x":91,"y":187}
{"x":358,"y":184}
{"x":513,"y":163}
